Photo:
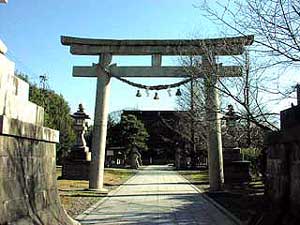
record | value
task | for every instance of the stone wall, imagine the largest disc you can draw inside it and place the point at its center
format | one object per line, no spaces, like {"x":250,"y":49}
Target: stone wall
{"x":28,"y":191}
{"x":283,"y":169}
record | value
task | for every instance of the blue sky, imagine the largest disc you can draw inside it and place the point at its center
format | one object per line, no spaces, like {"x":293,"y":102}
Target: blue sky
{"x":31,"y":30}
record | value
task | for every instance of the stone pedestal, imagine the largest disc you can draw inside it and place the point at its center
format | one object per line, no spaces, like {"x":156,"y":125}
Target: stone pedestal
{"x":236,"y":170}
{"x":81,"y":153}
{"x":232,"y":154}
{"x":77,"y":165}
{"x":76,"y":170}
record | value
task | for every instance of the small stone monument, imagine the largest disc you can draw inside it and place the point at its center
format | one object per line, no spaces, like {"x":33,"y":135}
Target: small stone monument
{"x":76,"y":166}
{"x":235,"y":168}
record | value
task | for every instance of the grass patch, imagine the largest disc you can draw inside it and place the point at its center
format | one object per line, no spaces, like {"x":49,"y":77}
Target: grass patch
{"x":242,"y":201}
{"x":199,"y":178}
{"x":76,"y":197}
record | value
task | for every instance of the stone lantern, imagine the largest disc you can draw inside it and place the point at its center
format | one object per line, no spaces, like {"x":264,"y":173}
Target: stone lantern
{"x":229,"y":140}
{"x":236,"y":170}
{"x":76,"y":166}
{"x":80,"y":127}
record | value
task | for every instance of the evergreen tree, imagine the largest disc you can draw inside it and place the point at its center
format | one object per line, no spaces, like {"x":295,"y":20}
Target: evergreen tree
{"x":57,"y":115}
{"x":133,"y":133}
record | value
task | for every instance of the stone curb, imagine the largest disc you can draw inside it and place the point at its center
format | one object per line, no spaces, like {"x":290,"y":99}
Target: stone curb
{"x":216,"y":204}
{"x":100,"y":202}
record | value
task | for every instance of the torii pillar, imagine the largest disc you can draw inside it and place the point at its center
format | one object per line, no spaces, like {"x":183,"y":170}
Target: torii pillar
{"x":100,"y":126}
{"x":208,"y":48}
{"x":213,"y":118}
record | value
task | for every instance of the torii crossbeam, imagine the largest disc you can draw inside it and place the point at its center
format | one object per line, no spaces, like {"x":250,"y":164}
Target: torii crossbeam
{"x":106,"y":48}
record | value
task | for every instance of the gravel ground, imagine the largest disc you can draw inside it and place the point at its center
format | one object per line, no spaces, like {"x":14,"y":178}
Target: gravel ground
{"x":78,"y":205}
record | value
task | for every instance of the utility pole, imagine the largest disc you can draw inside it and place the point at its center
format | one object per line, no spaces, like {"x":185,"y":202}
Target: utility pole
{"x":43,"y":81}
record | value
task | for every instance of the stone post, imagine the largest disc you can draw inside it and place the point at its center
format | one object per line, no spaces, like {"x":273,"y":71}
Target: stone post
{"x":100,"y":127}
{"x":215,"y":158}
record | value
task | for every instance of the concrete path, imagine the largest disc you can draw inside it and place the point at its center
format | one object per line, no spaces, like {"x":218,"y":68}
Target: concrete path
{"x":156,"y":195}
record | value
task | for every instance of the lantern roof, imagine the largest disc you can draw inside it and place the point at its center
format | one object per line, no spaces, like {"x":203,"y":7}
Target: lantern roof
{"x":80,"y":114}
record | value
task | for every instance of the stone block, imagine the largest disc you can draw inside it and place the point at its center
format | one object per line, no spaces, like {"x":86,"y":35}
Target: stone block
{"x":18,"y":128}
{"x":276,"y":182}
{"x":41,"y":200}
{"x":14,"y":96}
{"x":9,"y":83}
{"x":52,"y":196}
{"x":34,"y":186}
{"x":16,"y":208}
{"x":282,"y":186}
{"x":3,"y":48}
{"x":2,"y":214}
{"x":15,"y":184}
{"x":7,"y":69}
{"x":15,"y":107}
{"x":7,"y":168}
{"x":20,"y":88}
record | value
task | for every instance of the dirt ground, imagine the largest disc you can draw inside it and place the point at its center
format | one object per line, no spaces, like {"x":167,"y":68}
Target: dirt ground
{"x":75,"y":196}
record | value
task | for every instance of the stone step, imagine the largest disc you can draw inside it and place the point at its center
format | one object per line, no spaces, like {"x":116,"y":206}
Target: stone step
{"x":14,"y":94}
{"x":10,"y":83}
{"x":15,"y":107}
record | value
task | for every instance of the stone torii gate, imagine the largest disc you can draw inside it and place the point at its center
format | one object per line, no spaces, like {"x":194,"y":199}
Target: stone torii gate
{"x":106,"y":48}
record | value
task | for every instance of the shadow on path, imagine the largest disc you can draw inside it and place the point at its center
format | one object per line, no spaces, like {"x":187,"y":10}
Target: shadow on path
{"x":155,"y":196}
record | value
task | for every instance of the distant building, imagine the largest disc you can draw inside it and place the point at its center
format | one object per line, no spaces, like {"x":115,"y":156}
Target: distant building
{"x":167,"y":138}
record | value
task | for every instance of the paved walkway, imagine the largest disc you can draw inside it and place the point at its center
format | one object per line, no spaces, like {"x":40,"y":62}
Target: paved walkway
{"x":156,"y":195}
